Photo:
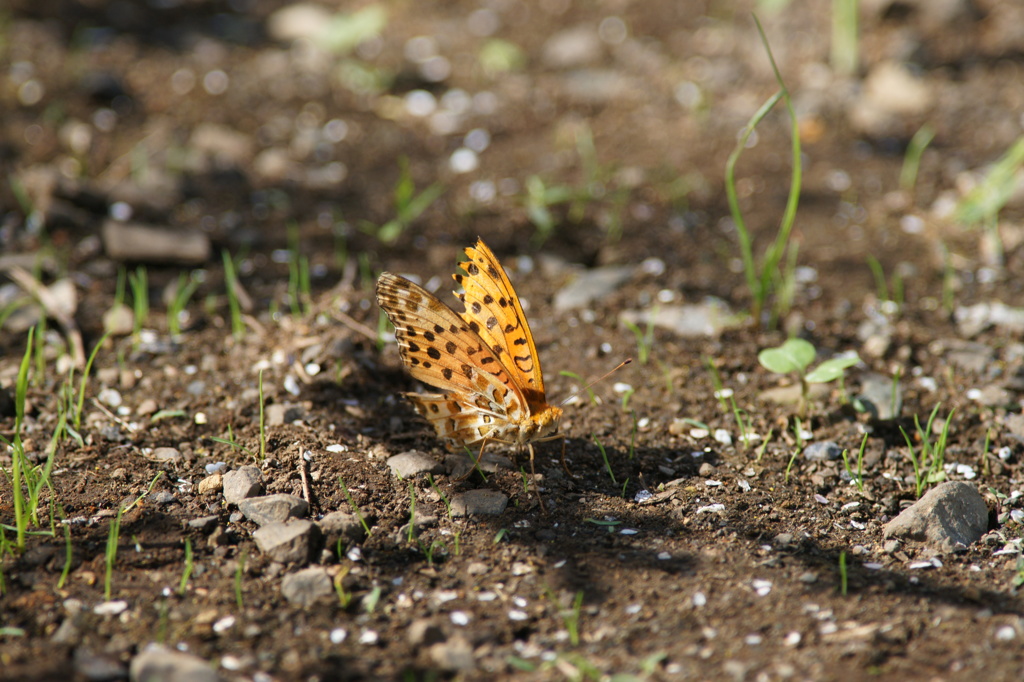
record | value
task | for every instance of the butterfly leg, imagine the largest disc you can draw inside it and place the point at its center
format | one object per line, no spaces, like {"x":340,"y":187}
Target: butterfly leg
{"x":565,"y":467}
{"x":476,"y":462}
{"x":536,"y":486}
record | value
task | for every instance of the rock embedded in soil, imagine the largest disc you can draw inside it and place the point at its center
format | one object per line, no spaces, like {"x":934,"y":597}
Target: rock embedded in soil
{"x":159,"y":664}
{"x":454,"y":655}
{"x":823,"y":451}
{"x":119,"y":320}
{"x":204,"y":524}
{"x":171,"y":455}
{"x":708,"y":319}
{"x":151,"y":244}
{"x":304,"y":587}
{"x":591,"y":286}
{"x":876,"y":395}
{"x":97,"y":667}
{"x":479,"y":503}
{"x":950,"y":516}
{"x":414,"y":463}
{"x":242,"y":483}
{"x":423,"y":632}
{"x":279,"y":414}
{"x":211,"y":485}
{"x":341,"y":525}
{"x":295,"y":541}
{"x":273,"y":508}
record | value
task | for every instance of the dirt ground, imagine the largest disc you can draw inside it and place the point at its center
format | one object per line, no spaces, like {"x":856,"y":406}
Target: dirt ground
{"x":578,"y":139}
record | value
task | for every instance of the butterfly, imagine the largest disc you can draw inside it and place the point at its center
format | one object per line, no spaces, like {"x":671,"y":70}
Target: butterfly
{"x":484,"y":359}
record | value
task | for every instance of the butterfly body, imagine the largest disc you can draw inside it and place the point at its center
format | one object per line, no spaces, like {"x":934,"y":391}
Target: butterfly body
{"x":484,"y":359}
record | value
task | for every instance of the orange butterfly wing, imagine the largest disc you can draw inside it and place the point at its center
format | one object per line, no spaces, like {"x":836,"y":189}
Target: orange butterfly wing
{"x":493,"y":311}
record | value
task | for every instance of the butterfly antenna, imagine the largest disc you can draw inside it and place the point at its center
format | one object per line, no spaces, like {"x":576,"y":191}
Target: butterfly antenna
{"x":598,"y":380}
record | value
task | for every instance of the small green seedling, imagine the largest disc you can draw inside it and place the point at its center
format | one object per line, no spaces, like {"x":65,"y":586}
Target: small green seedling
{"x":239,"y":576}
{"x":843,"y":581}
{"x":930,"y":466}
{"x":858,"y":478}
{"x":408,"y":205}
{"x":912,"y":159}
{"x":604,"y":456}
{"x":644,"y":338}
{"x":796,"y":355}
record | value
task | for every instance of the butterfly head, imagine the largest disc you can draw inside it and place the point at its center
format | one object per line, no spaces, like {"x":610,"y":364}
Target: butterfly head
{"x":543,"y":422}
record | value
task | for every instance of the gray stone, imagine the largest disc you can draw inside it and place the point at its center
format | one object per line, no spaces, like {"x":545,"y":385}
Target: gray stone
{"x":414,"y":463}
{"x":454,"y":655}
{"x":97,"y":667}
{"x":204,"y":524}
{"x":709,"y":318}
{"x":304,"y":587}
{"x":242,"y":483}
{"x":151,"y":244}
{"x":283,"y":413}
{"x":479,"y":503}
{"x":823,"y":451}
{"x":343,"y":526}
{"x":273,"y":508}
{"x":166,"y":455}
{"x":970,"y":356}
{"x":592,"y":285}
{"x":876,"y":396}
{"x":71,"y":628}
{"x":974,"y":319}
{"x":119,"y":320}
{"x":295,"y":541}
{"x":422,"y":632}
{"x":157,"y":663}
{"x":1014,"y":423}
{"x":950,"y":516}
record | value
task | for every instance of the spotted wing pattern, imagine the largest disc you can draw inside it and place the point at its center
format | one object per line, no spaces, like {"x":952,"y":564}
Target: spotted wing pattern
{"x":489,"y":393}
{"x":494,"y":312}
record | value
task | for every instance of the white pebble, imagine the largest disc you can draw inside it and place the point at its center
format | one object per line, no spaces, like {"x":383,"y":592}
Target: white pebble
{"x":110,"y":608}
{"x":420,"y":103}
{"x":338,"y":635}
{"x":1006,"y":634}
{"x":460,"y":618}
{"x":224,"y":624}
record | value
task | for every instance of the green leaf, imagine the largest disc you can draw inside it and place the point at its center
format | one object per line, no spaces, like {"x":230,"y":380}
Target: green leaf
{"x":792,"y":356}
{"x":830,"y":370}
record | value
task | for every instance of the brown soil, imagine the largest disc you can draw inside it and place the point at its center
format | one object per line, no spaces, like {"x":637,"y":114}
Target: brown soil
{"x":670,"y":588}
